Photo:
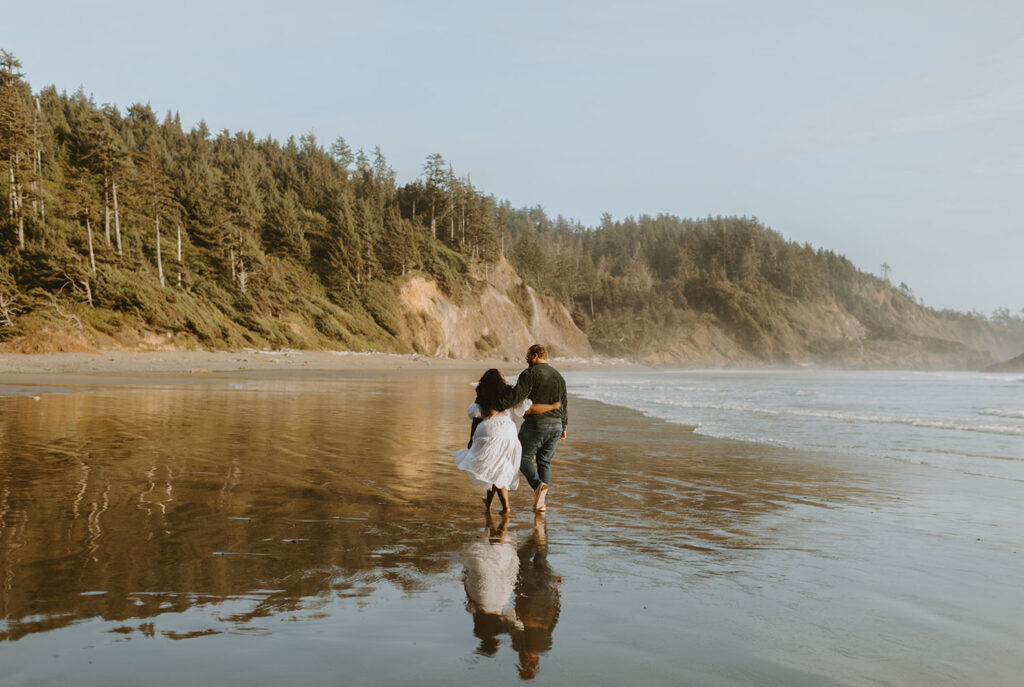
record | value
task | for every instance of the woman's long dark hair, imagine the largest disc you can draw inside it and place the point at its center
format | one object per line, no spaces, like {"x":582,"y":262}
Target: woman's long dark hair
{"x":489,"y":389}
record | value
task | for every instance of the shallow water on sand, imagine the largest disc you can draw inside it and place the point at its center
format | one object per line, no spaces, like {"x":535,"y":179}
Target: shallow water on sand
{"x":314,"y":530}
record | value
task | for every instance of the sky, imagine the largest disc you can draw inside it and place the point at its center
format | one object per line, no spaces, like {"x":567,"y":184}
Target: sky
{"x":887,"y":131}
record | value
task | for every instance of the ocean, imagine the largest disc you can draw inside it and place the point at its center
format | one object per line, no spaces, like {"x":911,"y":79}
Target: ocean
{"x":964,"y":422}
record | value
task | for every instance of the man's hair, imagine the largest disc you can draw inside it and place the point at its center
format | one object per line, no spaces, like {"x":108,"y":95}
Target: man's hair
{"x":538,"y":351}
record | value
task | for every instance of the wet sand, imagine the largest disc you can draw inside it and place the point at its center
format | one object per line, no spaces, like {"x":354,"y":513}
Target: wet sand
{"x":259,"y":526}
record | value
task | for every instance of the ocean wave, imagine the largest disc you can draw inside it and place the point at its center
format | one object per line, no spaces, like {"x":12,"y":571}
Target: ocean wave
{"x":644,"y":404}
{"x":998,"y":412}
{"x":643,"y":386}
{"x":966,"y":423}
{"x":717,"y":432}
{"x":971,"y":470}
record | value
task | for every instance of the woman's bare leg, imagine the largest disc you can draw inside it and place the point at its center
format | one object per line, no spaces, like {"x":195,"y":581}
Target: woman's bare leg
{"x":506,"y":508}
{"x":489,"y":498}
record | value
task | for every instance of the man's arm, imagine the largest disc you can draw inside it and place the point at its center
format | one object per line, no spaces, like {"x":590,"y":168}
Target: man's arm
{"x":519,"y":393}
{"x":565,"y":410}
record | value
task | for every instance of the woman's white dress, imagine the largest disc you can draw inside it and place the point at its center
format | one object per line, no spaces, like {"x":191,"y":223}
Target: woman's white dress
{"x":493,"y":457}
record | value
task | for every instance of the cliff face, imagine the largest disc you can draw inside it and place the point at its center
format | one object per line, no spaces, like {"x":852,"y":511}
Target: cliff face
{"x":501,"y":318}
{"x":878,"y":328}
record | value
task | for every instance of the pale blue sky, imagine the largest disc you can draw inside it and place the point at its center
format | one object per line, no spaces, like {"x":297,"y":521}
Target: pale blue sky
{"x":886,"y":131}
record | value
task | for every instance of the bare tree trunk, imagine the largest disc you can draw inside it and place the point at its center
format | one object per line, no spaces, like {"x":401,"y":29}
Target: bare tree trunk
{"x":70,"y":318}
{"x":117,"y":220}
{"x":179,"y":253}
{"x":8,"y":308}
{"x":92,"y":255}
{"x":42,"y":201}
{"x":451,"y":203}
{"x":34,"y":189}
{"x":243,"y":276}
{"x":16,"y":202}
{"x":37,"y":165}
{"x":10,"y":194}
{"x":159,"y":259}
{"x":106,"y":207}
{"x":232,"y":254}
{"x":88,"y":290}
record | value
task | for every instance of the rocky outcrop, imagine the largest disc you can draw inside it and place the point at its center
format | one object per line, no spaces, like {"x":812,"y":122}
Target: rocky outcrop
{"x":501,"y":318}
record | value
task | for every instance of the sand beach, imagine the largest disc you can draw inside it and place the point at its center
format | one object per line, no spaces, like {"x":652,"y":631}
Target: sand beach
{"x":261,"y":518}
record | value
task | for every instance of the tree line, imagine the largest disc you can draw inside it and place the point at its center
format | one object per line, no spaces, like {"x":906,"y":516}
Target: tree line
{"x":131,"y":213}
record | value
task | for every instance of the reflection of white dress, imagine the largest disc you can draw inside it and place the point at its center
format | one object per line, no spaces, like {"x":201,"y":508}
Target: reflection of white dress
{"x":491,"y":571}
{"x":493,"y":457}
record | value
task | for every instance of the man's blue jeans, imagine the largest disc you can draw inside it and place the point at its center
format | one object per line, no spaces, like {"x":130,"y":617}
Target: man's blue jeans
{"x":539,"y":442}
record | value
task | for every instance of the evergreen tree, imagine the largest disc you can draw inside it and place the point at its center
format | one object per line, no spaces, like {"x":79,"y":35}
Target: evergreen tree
{"x":16,"y":140}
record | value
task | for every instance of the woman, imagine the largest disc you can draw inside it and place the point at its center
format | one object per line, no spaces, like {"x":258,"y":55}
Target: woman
{"x":492,"y":457}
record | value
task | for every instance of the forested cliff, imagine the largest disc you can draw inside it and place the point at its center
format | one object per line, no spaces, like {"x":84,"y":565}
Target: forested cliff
{"x":122,"y":229}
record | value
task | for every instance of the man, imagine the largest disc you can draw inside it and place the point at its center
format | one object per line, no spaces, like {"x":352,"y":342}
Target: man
{"x":540,"y":433}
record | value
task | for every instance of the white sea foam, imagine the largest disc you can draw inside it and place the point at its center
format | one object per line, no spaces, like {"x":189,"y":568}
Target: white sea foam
{"x":1003,"y":413}
{"x":784,"y":411}
{"x":915,"y":418}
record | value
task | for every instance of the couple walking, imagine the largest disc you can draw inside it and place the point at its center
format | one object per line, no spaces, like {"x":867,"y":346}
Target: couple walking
{"x":495,"y":454}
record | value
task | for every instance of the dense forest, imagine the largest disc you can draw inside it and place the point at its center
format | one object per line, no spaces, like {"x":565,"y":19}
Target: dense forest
{"x":119,"y":221}
{"x":217,"y":235}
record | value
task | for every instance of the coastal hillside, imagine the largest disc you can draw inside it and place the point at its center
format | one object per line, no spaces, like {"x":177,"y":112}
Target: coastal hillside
{"x":730,"y":290}
{"x":122,"y":229}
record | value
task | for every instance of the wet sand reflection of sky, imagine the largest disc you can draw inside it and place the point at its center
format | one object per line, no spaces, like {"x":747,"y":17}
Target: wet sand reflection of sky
{"x":272,"y":509}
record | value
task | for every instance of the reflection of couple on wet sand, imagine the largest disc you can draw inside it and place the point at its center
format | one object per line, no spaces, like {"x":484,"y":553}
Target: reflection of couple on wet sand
{"x":495,"y":573}
{"x":496,"y":454}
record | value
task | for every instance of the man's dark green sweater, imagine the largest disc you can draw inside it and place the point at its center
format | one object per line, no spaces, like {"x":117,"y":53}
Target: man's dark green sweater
{"x":540,"y":383}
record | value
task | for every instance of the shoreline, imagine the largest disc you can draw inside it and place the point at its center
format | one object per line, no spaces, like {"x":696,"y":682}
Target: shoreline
{"x":252,"y":360}
{"x":198,"y":362}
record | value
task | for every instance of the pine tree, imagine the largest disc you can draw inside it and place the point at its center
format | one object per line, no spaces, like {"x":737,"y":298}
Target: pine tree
{"x":342,"y":154}
{"x":156,"y":188}
{"x":16,"y":140}
{"x":434,"y":174}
